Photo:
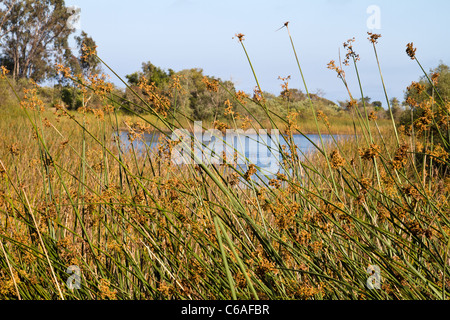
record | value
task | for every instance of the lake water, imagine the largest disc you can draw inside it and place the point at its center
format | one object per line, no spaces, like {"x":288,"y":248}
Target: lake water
{"x":240,"y":148}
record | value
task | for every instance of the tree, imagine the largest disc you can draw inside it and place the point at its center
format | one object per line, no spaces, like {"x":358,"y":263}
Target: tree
{"x":89,"y":64}
{"x":394,"y":102}
{"x":34,"y":35}
{"x":377,"y":105}
{"x":396,"y":108}
{"x":296,"y":95}
{"x":442,"y":73}
{"x":194,"y":98}
{"x":5,"y":10}
{"x":85,"y":64}
{"x":152,"y":73}
{"x":204,"y":104}
{"x":366,"y":100}
{"x":320,"y":93}
{"x":443,"y":82}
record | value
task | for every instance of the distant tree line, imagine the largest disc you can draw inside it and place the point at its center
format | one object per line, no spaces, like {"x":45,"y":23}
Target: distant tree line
{"x":34,"y":38}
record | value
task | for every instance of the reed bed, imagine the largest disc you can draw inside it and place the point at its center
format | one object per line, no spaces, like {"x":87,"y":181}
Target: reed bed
{"x":83,"y":217}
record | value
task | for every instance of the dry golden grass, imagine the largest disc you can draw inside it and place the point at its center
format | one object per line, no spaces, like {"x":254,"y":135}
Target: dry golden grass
{"x":139,"y":227}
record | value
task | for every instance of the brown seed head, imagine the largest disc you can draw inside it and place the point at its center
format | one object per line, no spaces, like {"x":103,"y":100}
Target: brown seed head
{"x":373,"y":37}
{"x":351,"y":104}
{"x":250,"y":172}
{"x":350,"y":52}
{"x":419,"y":88}
{"x":435,"y":77}
{"x":258,"y":95}
{"x":400,"y":158}
{"x":373,"y":116}
{"x":332,"y":66}
{"x":241,"y":96}
{"x":285,"y":93}
{"x":4,"y":72}
{"x":411,"y":51}
{"x":212,"y":86}
{"x":323,"y":116}
{"x":240,"y":37}
{"x":370,"y":153}
{"x":336,"y":160}
{"x":228,"y":108}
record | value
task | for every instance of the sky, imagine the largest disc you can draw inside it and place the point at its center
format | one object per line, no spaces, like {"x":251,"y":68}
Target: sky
{"x":184,"y":34}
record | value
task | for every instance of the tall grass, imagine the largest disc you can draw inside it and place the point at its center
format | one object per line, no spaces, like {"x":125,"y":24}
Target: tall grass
{"x":140,"y":227}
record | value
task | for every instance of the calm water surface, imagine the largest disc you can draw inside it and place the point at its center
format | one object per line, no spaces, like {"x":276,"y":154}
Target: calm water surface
{"x":240,"y":149}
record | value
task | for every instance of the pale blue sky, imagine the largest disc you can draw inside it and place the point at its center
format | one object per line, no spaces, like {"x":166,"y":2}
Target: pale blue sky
{"x":182,"y":34}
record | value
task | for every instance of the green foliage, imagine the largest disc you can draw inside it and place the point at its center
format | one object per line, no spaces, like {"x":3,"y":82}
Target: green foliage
{"x":152,"y":73}
{"x":88,"y":63}
{"x":71,"y":97}
{"x":197,"y":102}
{"x":443,"y":82}
{"x":397,"y":110}
{"x":377,"y":105}
{"x":415,"y":97}
{"x":193,"y":99}
{"x":205,"y":104}
{"x":442,"y":72}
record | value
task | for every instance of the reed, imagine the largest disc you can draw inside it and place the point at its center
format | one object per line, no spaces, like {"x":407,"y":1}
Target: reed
{"x":140,"y":227}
